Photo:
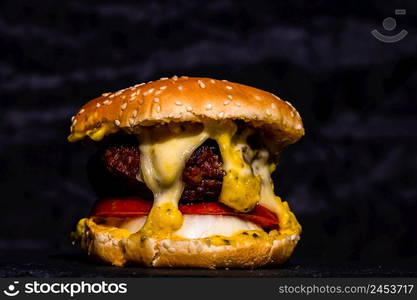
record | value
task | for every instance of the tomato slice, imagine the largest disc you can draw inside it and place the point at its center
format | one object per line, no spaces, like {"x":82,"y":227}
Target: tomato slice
{"x":135,"y":206}
{"x":124,"y":207}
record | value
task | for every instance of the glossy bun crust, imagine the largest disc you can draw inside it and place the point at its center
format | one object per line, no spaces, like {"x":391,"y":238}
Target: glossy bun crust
{"x":113,"y":245}
{"x":180,"y":99}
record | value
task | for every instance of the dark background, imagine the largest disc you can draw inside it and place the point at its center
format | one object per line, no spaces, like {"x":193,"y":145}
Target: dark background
{"x":351,"y":180}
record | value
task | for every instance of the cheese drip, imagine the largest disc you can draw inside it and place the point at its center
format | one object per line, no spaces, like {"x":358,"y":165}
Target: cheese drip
{"x":241,"y":187}
{"x":163,"y":157}
{"x":164,"y":152}
{"x":287,"y":221}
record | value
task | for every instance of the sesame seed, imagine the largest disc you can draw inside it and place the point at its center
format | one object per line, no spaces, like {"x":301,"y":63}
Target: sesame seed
{"x":226,"y":102}
{"x":105,"y":94}
{"x":82,"y":110}
{"x":75,"y":122}
{"x":72,"y":118}
{"x":107,"y":102}
{"x":189,"y":108}
{"x":163,"y":78}
{"x":163,"y":87}
{"x":238,"y":104}
{"x":257,"y":97}
{"x":156,"y":100}
{"x":117,"y":122}
{"x":179,"y":103}
{"x":132,"y":99}
{"x":171,"y":249}
{"x":158,"y":92}
{"x":165,"y":244}
{"x":158,"y":108}
{"x":131,"y":121}
{"x":112,"y":95}
{"x":175,"y":77}
{"x":298,"y":126}
{"x":134,"y":113}
{"x":201,"y":84}
{"x":209,"y":106}
{"x":230,"y":96}
{"x":180,"y":87}
{"x":228,"y":87}
{"x":212,"y":81}
{"x":268,"y":112}
{"x":224,"y":80}
{"x":118,"y":93}
{"x":123,"y":106}
{"x":185,"y":77}
{"x":221,"y":114}
{"x":98,"y":105}
{"x":123,"y":96}
{"x":292,"y":114}
{"x":148,"y":92}
{"x":132,"y":88}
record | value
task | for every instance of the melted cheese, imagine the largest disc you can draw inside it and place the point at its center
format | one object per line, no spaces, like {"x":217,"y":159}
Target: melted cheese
{"x":164,"y":152}
{"x":163,"y":157}
{"x":287,"y":221}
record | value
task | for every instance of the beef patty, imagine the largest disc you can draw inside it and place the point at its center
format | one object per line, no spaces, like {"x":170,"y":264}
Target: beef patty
{"x":202,"y":175}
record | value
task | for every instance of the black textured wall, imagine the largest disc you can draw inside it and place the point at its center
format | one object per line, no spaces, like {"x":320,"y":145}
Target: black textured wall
{"x":352,"y":178}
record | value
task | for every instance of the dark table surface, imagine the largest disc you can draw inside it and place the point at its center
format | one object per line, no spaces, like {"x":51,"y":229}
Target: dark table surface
{"x":42,"y":264}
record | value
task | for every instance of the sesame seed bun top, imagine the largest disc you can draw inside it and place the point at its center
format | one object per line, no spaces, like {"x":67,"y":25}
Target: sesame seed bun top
{"x":180,"y":99}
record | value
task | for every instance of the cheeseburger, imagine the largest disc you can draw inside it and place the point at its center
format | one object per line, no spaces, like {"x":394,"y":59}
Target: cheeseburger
{"x":185,"y":165}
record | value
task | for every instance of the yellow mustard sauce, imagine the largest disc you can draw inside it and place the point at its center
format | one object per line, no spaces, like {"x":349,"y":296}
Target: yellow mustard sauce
{"x":241,"y":188}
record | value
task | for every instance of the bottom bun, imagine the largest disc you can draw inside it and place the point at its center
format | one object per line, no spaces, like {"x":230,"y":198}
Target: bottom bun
{"x":120,"y":247}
